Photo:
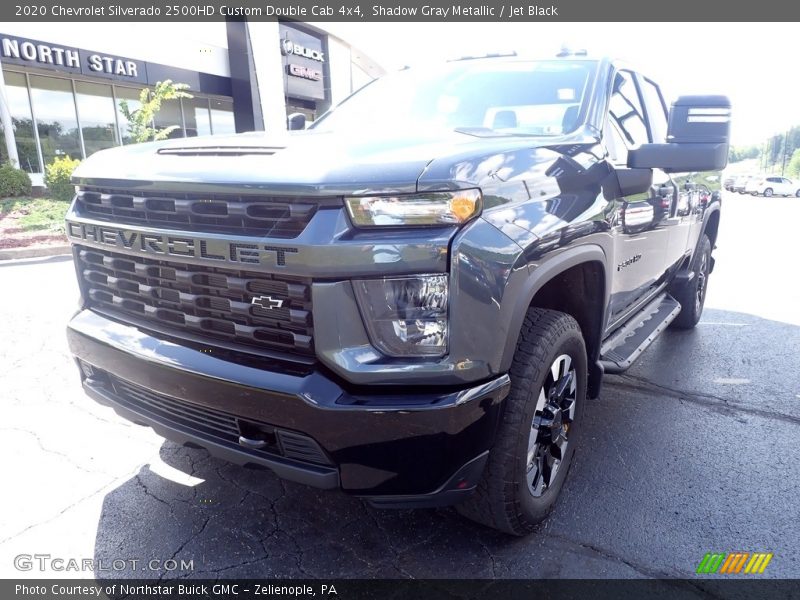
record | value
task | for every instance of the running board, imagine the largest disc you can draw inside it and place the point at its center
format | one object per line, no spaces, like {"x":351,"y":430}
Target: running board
{"x":629,"y":341}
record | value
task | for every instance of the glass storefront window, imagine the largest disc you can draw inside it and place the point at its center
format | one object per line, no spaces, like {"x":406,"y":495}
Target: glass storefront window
{"x":20,"y":109}
{"x":131,"y":95}
{"x":59,"y":126}
{"x":196,"y":116}
{"x":96,"y":114}
{"x":170,"y":116}
{"x":54,"y":108}
{"x":222,"y":116}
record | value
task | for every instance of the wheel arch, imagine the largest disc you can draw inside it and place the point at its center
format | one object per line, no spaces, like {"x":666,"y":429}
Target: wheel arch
{"x":568,"y":283}
{"x":711,"y":228}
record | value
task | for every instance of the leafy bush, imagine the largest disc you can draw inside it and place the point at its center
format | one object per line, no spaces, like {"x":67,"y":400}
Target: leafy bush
{"x":13,"y":182}
{"x":57,"y":177}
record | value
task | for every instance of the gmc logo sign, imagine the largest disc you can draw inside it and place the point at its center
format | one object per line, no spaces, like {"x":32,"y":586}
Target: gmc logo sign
{"x":304,"y":72}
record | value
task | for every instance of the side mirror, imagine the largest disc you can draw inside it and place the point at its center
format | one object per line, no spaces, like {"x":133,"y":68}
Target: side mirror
{"x":634,"y":181}
{"x":296,"y":121}
{"x":697,"y":138}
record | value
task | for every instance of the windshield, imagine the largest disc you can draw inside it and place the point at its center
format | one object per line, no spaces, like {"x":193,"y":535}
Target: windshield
{"x":491,"y":97}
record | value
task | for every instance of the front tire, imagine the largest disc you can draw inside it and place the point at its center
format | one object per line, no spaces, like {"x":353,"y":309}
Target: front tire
{"x":768,"y":193}
{"x":535,"y":441}
{"x":692,"y":297}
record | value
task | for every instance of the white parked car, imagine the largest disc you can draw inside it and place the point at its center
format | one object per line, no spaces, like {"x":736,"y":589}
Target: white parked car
{"x":773,"y":186}
{"x":740,"y":183}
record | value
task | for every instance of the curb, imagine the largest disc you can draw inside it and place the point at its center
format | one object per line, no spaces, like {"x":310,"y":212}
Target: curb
{"x":34,"y":252}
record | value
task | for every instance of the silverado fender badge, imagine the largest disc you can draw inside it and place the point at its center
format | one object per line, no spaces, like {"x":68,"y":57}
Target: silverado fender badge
{"x":267,"y":302}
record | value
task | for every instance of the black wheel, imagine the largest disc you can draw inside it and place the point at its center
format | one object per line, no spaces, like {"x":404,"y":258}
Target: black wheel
{"x":797,"y":194}
{"x":692,"y":296}
{"x":535,"y":441}
{"x":768,"y":192}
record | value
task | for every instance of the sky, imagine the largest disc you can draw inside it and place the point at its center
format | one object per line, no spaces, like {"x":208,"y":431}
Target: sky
{"x":754,"y":64}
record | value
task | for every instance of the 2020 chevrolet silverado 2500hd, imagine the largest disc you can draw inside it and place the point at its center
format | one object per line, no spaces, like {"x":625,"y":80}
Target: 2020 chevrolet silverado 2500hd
{"x":412,"y":299}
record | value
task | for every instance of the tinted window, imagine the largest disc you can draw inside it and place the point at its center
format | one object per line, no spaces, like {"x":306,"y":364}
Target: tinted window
{"x":169,"y":117}
{"x":96,"y":112}
{"x":196,"y":116}
{"x":625,"y":109}
{"x":20,"y":109}
{"x":131,"y":97}
{"x":222,"y":120}
{"x":56,"y":122}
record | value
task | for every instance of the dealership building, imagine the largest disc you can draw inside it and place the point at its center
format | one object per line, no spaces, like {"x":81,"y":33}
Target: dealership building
{"x":64,"y":82}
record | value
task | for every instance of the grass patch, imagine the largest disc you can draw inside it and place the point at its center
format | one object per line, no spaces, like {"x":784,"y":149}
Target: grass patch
{"x":34,"y":214}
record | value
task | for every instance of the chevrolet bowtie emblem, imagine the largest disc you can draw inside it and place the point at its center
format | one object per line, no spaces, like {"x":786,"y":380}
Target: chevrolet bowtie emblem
{"x":267,"y":302}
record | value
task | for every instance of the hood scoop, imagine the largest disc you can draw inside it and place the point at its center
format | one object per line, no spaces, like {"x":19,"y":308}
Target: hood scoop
{"x":220,"y":150}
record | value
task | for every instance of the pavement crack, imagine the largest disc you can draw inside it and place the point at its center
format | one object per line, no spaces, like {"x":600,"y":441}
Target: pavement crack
{"x":706,"y":400}
{"x":189,"y":539}
{"x":607,"y":554}
{"x":100,"y":490}
{"x":372,"y":517}
{"x":49,"y":450}
{"x":488,"y":551}
{"x":147,"y":492}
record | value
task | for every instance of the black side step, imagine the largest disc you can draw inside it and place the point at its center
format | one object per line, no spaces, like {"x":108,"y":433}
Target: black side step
{"x":629,"y":341}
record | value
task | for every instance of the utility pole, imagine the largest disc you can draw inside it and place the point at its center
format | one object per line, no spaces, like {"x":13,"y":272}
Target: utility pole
{"x":785,"y":148}
{"x":8,"y":125}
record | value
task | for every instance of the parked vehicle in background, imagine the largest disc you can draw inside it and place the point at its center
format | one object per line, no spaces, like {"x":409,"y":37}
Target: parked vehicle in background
{"x":741,"y":182}
{"x":773,"y":186}
{"x":728,"y":182}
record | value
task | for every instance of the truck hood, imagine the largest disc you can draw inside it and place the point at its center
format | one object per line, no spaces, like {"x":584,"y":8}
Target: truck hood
{"x":301,"y":163}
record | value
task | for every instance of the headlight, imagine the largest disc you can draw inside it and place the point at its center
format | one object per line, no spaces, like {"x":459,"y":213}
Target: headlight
{"x":434,"y":208}
{"x":405,"y":316}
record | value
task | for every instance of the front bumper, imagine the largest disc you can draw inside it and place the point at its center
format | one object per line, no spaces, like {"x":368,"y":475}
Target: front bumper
{"x":397,"y":446}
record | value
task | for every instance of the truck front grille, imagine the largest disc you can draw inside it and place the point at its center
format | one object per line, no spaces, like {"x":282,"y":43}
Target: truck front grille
{"x":210,"y":302}
{"x":276,"y":217}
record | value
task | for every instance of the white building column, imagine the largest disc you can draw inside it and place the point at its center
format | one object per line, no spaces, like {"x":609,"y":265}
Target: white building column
{"x":339,"y":62}
{"x":268,"y":70}
{"x":8,"y":125}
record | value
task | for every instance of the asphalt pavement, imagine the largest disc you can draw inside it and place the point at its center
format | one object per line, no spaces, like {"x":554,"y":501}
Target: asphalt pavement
{"x":695,"y":449}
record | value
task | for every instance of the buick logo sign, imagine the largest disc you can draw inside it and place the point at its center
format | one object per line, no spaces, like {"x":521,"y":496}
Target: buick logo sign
{"x":288,"y":47}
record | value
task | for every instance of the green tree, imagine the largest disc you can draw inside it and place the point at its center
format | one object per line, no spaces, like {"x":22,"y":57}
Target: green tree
{"x":140,"y":121}
{"x":793,"y":168}
{"x":738,"y":153}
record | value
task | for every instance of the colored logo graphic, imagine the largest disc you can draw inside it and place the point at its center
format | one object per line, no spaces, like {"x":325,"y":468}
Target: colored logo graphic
{"x":734,"y":563}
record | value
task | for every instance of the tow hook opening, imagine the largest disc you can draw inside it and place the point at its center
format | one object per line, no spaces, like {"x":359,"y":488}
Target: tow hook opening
{"x":256,"y":436}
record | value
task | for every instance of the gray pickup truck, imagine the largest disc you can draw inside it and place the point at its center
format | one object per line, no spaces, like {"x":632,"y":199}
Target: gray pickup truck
{"x":412,"y":299}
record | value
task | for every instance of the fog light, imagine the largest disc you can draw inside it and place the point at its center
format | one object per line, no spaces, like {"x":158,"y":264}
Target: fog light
{"x":405,"y":316}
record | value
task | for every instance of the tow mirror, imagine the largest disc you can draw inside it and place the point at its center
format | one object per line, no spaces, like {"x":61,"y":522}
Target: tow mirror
{"x":634,"y":181}
{"x":296,"y":121}
{"x":697,"y":138}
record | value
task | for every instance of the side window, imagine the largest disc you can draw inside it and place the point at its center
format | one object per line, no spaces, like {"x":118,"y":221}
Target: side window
{"x":625,"y":110}
{"x":616,"y":144}
{"x":656,"y":110}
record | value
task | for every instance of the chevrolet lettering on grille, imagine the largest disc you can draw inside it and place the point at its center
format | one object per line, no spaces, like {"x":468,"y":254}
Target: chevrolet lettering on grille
{"x":179,"y":245}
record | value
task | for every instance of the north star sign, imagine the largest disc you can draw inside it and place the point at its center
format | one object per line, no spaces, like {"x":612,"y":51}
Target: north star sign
{"x":43,"y":54}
